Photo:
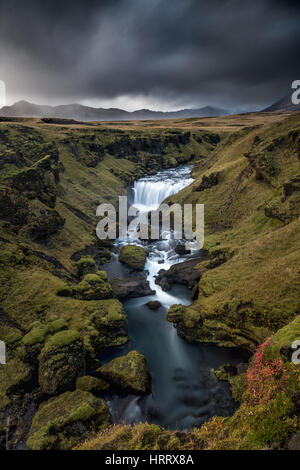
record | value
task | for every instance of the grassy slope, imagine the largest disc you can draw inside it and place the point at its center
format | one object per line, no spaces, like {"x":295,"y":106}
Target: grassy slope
{"x":257,"y":290}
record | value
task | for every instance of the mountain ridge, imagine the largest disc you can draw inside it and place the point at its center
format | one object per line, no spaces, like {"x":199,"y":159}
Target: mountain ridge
{"x":87,"y":113}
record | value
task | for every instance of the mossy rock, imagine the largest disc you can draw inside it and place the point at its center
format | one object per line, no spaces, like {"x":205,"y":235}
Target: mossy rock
{"x":36,"y":335}
{"x":91,"y":384}
{"x":94,"y":286}
{"x":61,"y":339}
{"x":58,"y":325}
{"x":176,"y":313}
{"x":16,"y":377}
{"x":61,"y":362}
{"x":102,"y":325}
{"x":128,"y":373}
{"x":62,"y":422}
{"x":134,"y":256}
{"x":85,"y":265}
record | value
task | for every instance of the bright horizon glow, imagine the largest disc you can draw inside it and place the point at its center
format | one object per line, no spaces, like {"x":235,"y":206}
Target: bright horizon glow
{"x":125,"y":102}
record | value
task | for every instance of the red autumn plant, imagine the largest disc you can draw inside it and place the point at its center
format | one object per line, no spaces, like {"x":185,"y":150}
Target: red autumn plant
{"x":265,"y":378}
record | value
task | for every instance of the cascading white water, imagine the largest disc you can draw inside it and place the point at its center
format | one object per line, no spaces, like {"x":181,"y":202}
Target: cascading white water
{"x":185,"y":392}
{"x":151,"y":191}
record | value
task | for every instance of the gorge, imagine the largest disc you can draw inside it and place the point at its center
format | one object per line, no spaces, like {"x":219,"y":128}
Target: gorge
{"x":185,"y":392}
{"x":69,"y":307}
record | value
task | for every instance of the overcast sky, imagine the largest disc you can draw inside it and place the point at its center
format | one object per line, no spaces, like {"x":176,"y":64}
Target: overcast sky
{"x":159,"y":54}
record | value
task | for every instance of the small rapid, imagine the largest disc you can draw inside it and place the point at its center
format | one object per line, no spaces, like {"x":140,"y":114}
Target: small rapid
{"x":185,"y":392}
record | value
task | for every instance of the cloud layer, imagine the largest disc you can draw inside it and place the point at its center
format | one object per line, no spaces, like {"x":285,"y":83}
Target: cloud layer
{"x":164,"y":53}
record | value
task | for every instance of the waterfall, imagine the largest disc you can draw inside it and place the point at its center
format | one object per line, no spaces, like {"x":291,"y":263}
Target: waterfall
{"x":151,"y":191}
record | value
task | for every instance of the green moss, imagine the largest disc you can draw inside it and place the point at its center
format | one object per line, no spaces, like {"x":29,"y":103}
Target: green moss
{"x":61,"y":362}
{"x":92,"y":385}
{"x":34,"y":324}
{"x":114,"y":316}
{"x":134,"y":256}
{"x":85,"y":265}
{"x":93,"y":286}
{"x":62,"y":338}
{"x":283,"y":338}
{"x":82,"y":413}
{"x":82,"y":287}
{"x":128,"y":372}
{"x":51,"y":424}
{"x":36,"y":335}
{"x":92,"y":278}
{"x":58,"y":325}
{"x":97,"y":277}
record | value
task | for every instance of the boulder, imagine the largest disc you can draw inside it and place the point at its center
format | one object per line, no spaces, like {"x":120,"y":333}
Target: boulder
{"x":134,"y":256}
{"x":129,"y":373}
{"x":135,"y":286}
{"x":181,"y":250}
{"x":91,"y":384}
{"x":154,"y":305}
{"x":185,"y":273}
{"x":62,"y":422}
{"x":61,"y":362}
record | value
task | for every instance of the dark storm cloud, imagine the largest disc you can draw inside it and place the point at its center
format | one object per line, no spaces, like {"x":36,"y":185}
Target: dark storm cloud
{"x":182,"y":52}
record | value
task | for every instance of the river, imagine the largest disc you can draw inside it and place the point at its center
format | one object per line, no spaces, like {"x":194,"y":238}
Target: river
{"x":185,"y":392}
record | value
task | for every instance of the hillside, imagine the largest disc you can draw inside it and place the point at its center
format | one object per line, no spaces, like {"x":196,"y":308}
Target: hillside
{"x":57,"y":303}
{"x":252,"y":215}
{"x":284,"y":104}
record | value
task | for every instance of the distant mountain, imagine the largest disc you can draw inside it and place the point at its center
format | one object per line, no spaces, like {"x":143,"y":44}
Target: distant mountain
{"x":87,"y":113}
{"x":285,"y":104}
